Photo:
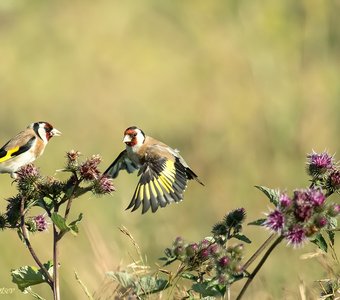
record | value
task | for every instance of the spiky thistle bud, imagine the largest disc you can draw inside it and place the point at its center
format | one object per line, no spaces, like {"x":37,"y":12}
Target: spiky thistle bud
{"x":320,"y":221}
{"x":235,"y":217}
{"x":285,"y":201}
{"x":103,"y":185}
{"x":72,"y":159}
{"x":89,"y":169}
{"x":26,"y":177}
{"x":319,"y":163}
{"x":224,"y":261}
{"x":3,"y":221}
{"x":333,"y":181}
{"x":275,"y":221}
{"x":296,"y":236}
{"x":334,"y":210}
{"x":41,"y":223}
{"x":219,"y":229}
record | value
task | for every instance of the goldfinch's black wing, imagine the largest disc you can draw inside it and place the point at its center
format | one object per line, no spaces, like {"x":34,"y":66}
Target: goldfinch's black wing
{"x":12,"y":149}
{"x":122,"y":162}
{"x":162,"y":181}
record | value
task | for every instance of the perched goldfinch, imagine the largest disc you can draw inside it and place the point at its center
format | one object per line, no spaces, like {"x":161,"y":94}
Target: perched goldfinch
{"x":164,"y":173}
{"x":25,"y":147}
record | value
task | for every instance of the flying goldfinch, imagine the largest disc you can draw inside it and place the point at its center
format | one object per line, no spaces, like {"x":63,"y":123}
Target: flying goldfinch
{"x":25,"y":147}
{"x":163,"y":172}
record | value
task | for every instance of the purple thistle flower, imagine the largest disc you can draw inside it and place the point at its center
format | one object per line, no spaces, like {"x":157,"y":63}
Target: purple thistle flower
{"x":28,"y":172}
{"x":204,"y":253}
{"x":296,"y":236}
{"x":321,"y":221}
{"x":40,"y":222}
{"x":205,"y":243}
{"x":302,"y":204}
{"x":72,"y":155}
{"x":213,"y":249}
{"x":334,"y":180}
{"x":285,"y":201}
{"x":319,"y":163}
{"x":104,"y":185}
{"x":275,"y":221}
{"x":316,"y":197}
{"x":224,"y":261}
{"x":191,"y":249}
{"x":89,"y":169}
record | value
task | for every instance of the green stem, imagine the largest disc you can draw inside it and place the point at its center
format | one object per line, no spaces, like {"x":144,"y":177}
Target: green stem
{"x":56,"y":289}
{"x":258,"y":267}
{"x":49,"y":279}
{"x":258,"y":252}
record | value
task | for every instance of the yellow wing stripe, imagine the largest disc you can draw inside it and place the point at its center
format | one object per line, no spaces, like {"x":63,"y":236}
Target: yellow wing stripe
{"x":169,"y":168}
{"x":147,"y":191}
{"x":158,"y":187}
{"x":169,"y":175}
{"x":140,"y":192}
{"x":152,"y":189}
{"x":9,"y":154}
{"x":166,"y":183}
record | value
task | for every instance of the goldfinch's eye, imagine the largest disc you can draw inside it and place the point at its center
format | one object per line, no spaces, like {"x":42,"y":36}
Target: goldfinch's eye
{"x":134,"y":134}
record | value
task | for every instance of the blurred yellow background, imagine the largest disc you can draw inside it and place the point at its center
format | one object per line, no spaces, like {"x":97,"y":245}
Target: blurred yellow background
{"x":243,"y":88}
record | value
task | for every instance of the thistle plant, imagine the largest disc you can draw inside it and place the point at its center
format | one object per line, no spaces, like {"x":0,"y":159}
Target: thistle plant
{"x":216,"y":262}
{"x":54,"y":198}
{"x":305,"y":216}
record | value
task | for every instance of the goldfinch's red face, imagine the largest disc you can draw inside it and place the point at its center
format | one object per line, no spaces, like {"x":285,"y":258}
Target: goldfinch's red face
{"x":133,"y":136}
{"x":45,"y":130}
{"x":50,"y":131}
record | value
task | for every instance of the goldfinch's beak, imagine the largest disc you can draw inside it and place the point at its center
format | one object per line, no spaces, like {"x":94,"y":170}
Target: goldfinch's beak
{"x":55,"y":132}
{"x":127,"y":139}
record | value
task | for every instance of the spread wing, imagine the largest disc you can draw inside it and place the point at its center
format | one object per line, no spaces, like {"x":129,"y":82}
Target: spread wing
{"x":122,"y":162}
{"x":19,"y":144}
{"x":162,"y":181}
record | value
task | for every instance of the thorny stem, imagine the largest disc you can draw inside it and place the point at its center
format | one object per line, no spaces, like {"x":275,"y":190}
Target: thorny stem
{"x":56,"y":289}
{"x":258,"y":267}
{"x":57,"y":237}
{"x":258,"y":252}
{"x":29,"y":246}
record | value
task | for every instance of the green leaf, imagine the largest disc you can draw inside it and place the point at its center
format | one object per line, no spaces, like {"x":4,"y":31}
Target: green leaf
{"x":27,"y":276}
{"x":189,"y":276}
{"x":205,"y":290}
{"x":258,"y":222}
{"x":331,"y":236}
{"x":320,"y":242}
{"x":242,"y":238}
{"x":73,"y":226}
{"x":140,"y":285}
{"x":59,"y":221}
{"x":149,"y":284}
{"x":333,"y":223}
{"x":273,"y":195}
{"x":45,"y":203}
{"x":125,"y":279}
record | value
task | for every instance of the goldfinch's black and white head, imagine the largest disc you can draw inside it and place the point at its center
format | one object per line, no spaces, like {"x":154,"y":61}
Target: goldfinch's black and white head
{"x":26,"y":147}
{"x":44,"y":130}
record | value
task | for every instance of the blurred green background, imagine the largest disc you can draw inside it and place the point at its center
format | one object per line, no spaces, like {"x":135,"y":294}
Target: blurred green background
{"x":243,"y":88}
